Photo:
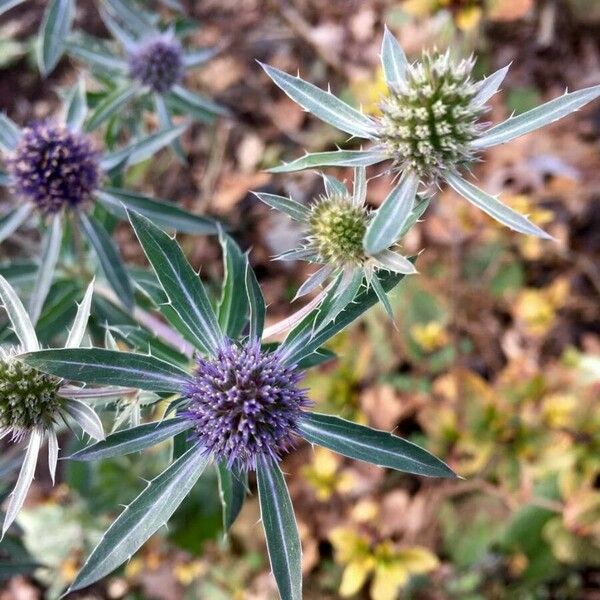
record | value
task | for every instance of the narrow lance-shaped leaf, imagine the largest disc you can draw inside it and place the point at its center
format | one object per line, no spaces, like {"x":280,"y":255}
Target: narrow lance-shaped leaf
{"x":76,"y":105}
{"x":49,"y":258}
{"x":195,"y":105}
{"x":294,"y":209}
{"x":199,"y":57}
{"x":17,"y":497}
{"x":136,"y":19}
{"x":489,"y":86}
{"x":132,"y":440}
{"x":182,"y":286}
{"x":143,"y":517}
{"x":95,"y":57}
{"x":359,"y":190}
{"x":109,"y":257}
{"x":308,"y":336}
{"x":81,"y":318}
{"x":9,"y":133}
{"x":142,"y":149}
{"x":233,"y":484}
{"x":161,"y":212}
{"x":55,"y":29}
{"x":382,"y":296}
{"x":256,"y":303}
{"x":110,"y":105}
{"x":370,"y":445}
{"x":109,"y":367}
{"x":18,"y":317}
{"x":86,"y":418}
{"x":323,"y":105}
{"x":337,"y":158}
{"x":12,"y":220}
{"x":333,"y":186}
{"x":393,"y":60}
{"x":166,"y":121}
{"x":233,"y":305}
{"x":281,"y":531}
{"x":496,"y":209}
{"x":384,"y":229}
{"x":536,"y":117}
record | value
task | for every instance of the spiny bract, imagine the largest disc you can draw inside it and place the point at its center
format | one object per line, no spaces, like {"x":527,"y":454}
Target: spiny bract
{"x":429,"y":120}
{"x":54,"y":167}
{"x":245,"y":404}
{"x":157,"y":63}
{"x":28,"y":397}
{"x":337,"y":229}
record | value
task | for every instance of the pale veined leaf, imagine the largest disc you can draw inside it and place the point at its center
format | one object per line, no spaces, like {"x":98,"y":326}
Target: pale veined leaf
{"x":496,"y":209}
{"x":323,"y":105}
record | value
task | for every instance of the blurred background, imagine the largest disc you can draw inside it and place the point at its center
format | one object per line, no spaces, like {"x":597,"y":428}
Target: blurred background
{"x":495,"y":361}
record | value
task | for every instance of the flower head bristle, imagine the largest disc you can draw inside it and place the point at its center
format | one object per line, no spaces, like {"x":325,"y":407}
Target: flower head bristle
{"x":430,"y":119}
{"x":28,"y":397}
{"x":337,"y":229}
{"x":245,"y":404}
{"x":157,"y":63}
{"x":54,"y":167}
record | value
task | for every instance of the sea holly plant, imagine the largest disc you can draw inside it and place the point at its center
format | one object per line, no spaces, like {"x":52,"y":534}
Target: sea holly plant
{"x":430,"y":130}
{"x":241,"y":403}
{"x":58,"y":173}
{"x":151,"y":65}
{"x":32,"y":403}
{"x":335,"y":226}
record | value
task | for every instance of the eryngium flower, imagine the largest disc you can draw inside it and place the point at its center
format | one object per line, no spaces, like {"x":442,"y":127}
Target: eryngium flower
{"x":54,"y":167}
{"x":245,"y":404}
{"x":28,"y":398}
{"x":430,"y":130}
{"x":157,"y":63}
{"x":32,"y":403}
{"x":429,"y":120}
{"x":336,"y":229}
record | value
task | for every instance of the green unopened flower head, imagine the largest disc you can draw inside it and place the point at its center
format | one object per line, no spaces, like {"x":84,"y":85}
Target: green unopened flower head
{"x":429,"y":121}
{"x":337,"y":230}
{"x":28,"y":397}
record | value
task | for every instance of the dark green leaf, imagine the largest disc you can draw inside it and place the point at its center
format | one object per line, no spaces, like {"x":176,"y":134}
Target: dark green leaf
{"x":132,"y":440}
{"x":55,"y":29}
{"x":109,"y":257}
{"x":110,"y":105}
{"x":256,"y":303}
{"x":182,"y":286}
{"x":281,"y":531}
{"x":159,"y":211}
{"x":233,"y":485}
{"x":233,"y":305}
{"x":143,"y":517}
{"x":110,"y":367}
{"x":370,"y":445}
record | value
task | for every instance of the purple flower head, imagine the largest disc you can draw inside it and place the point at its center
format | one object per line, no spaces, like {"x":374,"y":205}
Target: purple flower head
{"x":157,"y":63}
{"x":54,"y":167}
{"x":245,"y":404}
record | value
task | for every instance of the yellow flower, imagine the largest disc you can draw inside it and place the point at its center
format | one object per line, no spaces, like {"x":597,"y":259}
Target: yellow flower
{"x":389,"y":567}
{"x":430,"y":336}
{"x":323,"y":476}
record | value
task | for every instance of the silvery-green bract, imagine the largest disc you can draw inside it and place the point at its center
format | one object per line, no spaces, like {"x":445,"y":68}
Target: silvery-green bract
{"x":32,"y":403}
{"x":241,"y":403}
{"x":430,"y":130}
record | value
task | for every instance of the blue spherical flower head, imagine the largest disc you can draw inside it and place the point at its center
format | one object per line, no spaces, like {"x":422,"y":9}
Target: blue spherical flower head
{"x":245,"y":404}
{"x":54,"y":167}
{"x":157,"y":63}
